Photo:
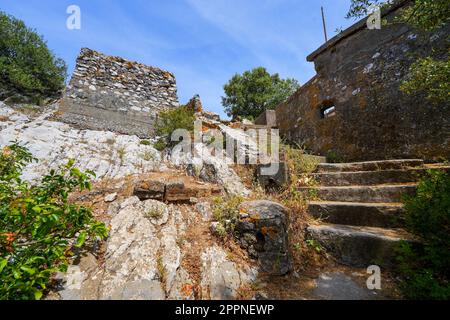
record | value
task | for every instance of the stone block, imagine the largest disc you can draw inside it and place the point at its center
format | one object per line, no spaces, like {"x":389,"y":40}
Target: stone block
{"x":277,"y":180}
{"x":262,"y":229}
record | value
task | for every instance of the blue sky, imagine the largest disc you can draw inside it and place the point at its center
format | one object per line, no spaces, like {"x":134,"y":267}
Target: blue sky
{"x":203,"y":42}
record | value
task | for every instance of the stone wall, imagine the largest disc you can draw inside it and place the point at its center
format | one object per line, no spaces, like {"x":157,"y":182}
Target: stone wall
{"x":111,"y":93}
{"x":359,"y":73}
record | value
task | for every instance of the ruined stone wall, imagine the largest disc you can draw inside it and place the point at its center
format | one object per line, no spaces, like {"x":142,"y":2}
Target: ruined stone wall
{"x":359,"y":73}
{"x":111,"y":93}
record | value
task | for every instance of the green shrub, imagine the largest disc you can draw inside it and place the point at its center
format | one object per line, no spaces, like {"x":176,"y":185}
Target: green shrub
{"x":226,"y":208}
{"x":27,"y":66}
{"x":426,"y":268}
{"x":39,"y":227}
{"x":171,"y":120}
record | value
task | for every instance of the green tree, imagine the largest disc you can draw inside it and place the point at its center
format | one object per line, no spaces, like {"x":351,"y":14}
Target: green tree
{"x":428,"y":75}
{"x":27,"y":66}
{"x":39,"y":226}
{"x":250,"y":94}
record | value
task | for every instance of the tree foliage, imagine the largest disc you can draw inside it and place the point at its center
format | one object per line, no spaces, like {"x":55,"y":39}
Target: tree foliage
{"x":39,"y":227}
{"x":428,"y":75}
{"x":431,"y":76}
{"x":27,"y":66}
{"x":250,"y":94}
{"x":426,"y":15}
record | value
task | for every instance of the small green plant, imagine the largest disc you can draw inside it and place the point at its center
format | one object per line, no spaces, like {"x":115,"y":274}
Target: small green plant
{"x":315,"y":245}
{"x":220,"y":230}
{"x":155,"y":213}
{"x":148,"y":156}
{"x":160,"y":145}
{"x":226,"y":208}
{"x":145,"y":143}
{"x":162,"y":272}
{"x":39,"y":226}
{"x":426,"y":268}
{"x":121,"y":151}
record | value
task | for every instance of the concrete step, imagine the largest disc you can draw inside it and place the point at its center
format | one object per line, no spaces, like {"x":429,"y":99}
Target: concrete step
{"x":370,"y":165}
{"x":359,"y":246}
{"x":376,"y":193}
{"x":368,"y":177}
{"x":384,"y":215}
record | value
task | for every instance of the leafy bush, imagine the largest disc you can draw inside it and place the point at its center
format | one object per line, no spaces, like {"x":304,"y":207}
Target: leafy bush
{"x":38,"y":225}
{"x":27,"y":66}
{"x":250,"y":94}
{"x":427,"y":268}
{"x":171,"y":120}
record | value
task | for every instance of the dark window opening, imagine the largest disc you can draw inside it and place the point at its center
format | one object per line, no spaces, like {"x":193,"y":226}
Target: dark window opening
{"x":260,"y":242}
{"x":327,"y":110}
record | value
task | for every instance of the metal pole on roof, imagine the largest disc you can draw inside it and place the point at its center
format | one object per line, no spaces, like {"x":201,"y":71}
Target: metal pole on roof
{"x":324,"y":25}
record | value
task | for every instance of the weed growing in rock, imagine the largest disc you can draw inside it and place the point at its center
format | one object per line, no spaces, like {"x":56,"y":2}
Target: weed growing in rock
{"x":145,"y":143}
{"x":162,"y":272}
{"x":121,"y":151}
{"x":155,"y":213}
{"x":220,"y":230}
{"x":160,"y":145}
{"x":226,"y":208}
{"x":148,"y":156}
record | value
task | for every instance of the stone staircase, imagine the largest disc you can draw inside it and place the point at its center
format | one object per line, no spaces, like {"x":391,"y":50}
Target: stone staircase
{"x":360,"y":211}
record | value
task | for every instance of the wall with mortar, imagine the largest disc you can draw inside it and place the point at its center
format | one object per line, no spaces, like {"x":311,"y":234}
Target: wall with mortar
{"x":359,"y":72}
{"x":111,"y":93}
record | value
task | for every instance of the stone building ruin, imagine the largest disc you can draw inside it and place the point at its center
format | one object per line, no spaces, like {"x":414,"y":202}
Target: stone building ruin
{"x":114,"y":94}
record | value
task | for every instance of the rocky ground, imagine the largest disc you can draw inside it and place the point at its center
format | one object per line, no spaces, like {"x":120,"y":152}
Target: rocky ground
{"x":160,"y":245}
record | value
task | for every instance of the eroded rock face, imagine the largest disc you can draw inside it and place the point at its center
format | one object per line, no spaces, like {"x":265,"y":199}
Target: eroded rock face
{"x":108,"y":154}
{"x":221,"y":277}
{"x":214,"y":169}
{"x":143,"y":260}
{"x":143,"y":256}
{"x":262,"y":230}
